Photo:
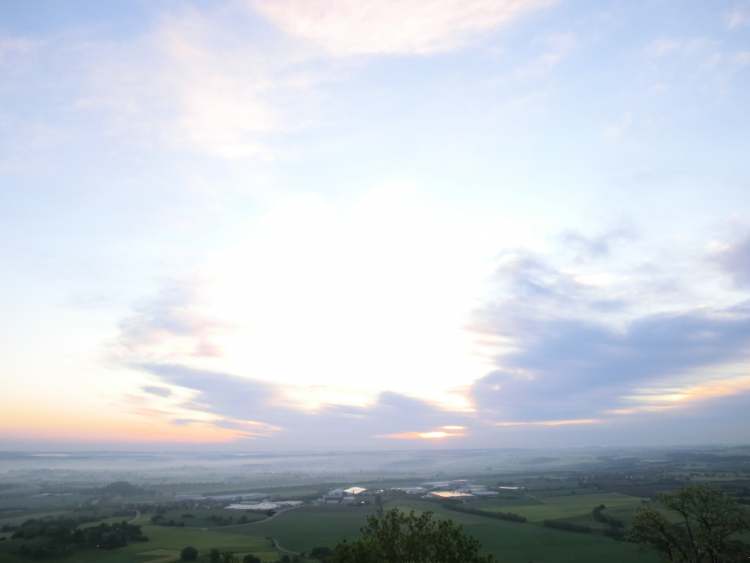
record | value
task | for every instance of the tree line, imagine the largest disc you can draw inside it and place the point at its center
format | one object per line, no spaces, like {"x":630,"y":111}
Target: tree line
{"x":57,"y":537}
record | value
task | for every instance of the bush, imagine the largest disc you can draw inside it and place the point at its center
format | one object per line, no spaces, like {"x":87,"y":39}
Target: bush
{"x":189,"y":553}
{"x":395,"y":537}
{"x":509,"y":516}
{"x":599,"y":515}
{"x":321,"y":553}
{"x":567,"y":526}
{"x":709,"y":520}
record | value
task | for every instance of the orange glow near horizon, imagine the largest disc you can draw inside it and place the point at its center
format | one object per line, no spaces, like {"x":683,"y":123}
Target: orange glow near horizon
{"x":549,"y":423}
{"x":450,"y":431}
{"x":145,"y":422}
{"x":131,"y":428}
{"x":689,"y":394}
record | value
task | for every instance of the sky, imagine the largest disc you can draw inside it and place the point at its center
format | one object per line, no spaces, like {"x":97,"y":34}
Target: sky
{"x":374,"y":224}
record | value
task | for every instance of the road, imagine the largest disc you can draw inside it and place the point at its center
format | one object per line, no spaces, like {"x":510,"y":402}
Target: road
{"x":266,"y":519}
{"x":281,"y":548}
{"x":275,"y":542}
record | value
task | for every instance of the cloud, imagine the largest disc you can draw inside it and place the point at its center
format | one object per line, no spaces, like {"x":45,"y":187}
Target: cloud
{"x":168,"y":326}
{"x":664,"y":46}
{"x":449,"y":431}
{"x":248,"y":427}
{"x":554,"y":49}
{"x":560,"y":360}
{"x":738,"y":17}
{"x":735,"y":260}
{"x":15,"y":46}
{"x":392,"y":27}
{"x":158,"y":391}
{"x":256,"y":409}
{"x":218,"y":393}
{"x":548,"y":423}
{"x":536,"y":286}
{"x":199,"y":82}
{"x":618,"y":128}
{"x":699,"y":57}
{"x":568,"y":348}
{"x":591,"y":247}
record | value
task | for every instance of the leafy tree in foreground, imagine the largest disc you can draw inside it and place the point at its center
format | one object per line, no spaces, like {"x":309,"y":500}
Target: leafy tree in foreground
{"x":397,"y":537}
{"x":250,"y":558}
{"x":189,"y":553}
{"x":322,"y":553}
{"x":703,"y":534}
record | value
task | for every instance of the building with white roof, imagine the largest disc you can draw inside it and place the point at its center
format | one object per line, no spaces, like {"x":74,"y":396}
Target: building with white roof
{"x":354,"y":491}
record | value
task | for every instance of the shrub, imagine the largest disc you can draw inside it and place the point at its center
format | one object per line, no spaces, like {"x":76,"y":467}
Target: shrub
{"x":189,"y":553}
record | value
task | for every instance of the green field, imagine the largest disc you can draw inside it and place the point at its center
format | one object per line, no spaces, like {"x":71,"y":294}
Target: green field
{"x":311,"y":526}
{"x":304,"y":528}
{"x":566,"y":506}
{"x":308,"y":527}
{"x":165,"y":543}
{"x":523,"y":543}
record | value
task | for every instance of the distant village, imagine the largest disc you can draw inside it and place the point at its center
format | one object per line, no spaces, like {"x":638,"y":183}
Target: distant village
{"x":454,"y":489}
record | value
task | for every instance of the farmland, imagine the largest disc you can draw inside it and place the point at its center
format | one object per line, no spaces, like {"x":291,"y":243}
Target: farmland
{"x":514,"y":542}
{"x":567,"y":506}
{"x":164,"y":544}
{"x":303,"y":529}
{"x":308,"y":527}
{"x":173,"y":514}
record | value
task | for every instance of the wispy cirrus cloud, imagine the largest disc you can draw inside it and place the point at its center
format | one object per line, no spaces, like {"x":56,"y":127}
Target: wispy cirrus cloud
{"x":734,"y":258}
{"x":738,"y":16}
{"x":412,"y":27}
{"x":701,"y":56}
{"x":664,"y":46}
{"x":201,"y":81}
{"x":171,"y":325}
{"x":197,"y":81}
{"x":552,"y":49}
{"x":15,"y":46}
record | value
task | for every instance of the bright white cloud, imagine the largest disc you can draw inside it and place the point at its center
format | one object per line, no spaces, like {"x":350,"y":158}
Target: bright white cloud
{"x":336,"y":301}
{"x":390,"y":27}
{"x":308,"y":295}
{"x":372,"y":294}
